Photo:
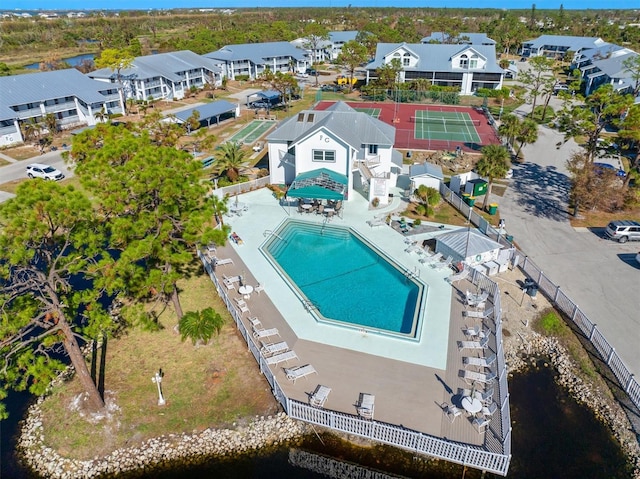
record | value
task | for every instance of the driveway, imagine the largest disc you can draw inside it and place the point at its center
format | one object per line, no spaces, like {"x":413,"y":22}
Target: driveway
{"x":600,"y":276}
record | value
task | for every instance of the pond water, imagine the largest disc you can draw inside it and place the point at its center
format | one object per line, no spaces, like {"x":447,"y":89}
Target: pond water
{"x":553,"y":437}
{"x":72,"y":61}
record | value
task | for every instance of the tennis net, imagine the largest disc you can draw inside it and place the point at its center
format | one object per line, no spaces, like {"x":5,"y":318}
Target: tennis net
{"x":445,"y":121}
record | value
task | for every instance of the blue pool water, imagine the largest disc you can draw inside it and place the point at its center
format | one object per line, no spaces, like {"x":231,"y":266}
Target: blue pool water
{"x":344,"y":278}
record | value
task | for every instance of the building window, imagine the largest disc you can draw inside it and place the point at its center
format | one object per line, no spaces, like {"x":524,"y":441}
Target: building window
{"x":406,"y":60}
{"x":326,"y":156}
{"x":373,"y":149}
{"x":464,"y":61}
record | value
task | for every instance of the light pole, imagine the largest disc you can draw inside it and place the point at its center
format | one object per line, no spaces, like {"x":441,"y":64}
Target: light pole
{"x":157,"y":379}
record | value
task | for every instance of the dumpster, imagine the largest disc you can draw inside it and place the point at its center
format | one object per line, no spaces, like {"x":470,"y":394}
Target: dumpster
{"x":493,"y":208}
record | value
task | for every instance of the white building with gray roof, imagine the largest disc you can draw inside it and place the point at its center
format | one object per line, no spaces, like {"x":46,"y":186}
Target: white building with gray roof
{"x":72,"y":97}
{"x":339,"y":139}
{"x":165,"y":75}
{"x":464,"y":38}
{"x":252,"y":59}
{"x":557,"y":46}
{"x":467,"y":67}
{"x":604,"y":65}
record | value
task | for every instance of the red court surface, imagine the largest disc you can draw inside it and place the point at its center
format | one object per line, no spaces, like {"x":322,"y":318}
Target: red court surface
{"x":399,"y":115}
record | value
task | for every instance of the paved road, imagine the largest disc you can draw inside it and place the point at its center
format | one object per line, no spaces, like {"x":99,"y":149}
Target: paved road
{"x":601,"y":276}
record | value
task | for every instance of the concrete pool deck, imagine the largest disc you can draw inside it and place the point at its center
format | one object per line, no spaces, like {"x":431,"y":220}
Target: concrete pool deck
{"x":410,"y":381}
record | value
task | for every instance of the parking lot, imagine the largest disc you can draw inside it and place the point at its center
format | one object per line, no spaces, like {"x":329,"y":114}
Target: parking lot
{"x":600,"y":275}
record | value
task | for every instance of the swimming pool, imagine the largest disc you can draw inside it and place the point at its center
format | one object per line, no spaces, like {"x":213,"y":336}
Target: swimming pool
{"x":345,"y":280}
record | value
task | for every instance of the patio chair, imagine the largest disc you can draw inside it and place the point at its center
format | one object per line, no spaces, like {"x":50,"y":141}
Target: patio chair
{"x":366,"y":405}
{"x":443,"y":264}
{"x":459,"y":276}
{"x":490,"y":409}
{"x":319,"y":396}
{"x":375,"y":222}
{"x":255,"y":322}
{"x":484,"y":396}
{"x":265,"y":333}
{"x":281,"y":357}
{"x":464,"y":392}
{"x":258,"y":288}
{"x":320,"y":209}
{"x":451,"y":411}
{"x":274,"y":348}
{"x":242,"y":307}
{"x":476,"y":332}
{"x":231,"y":279}
{"x":211,"y":250}
{"x":294,"y":374}
{"x":480,"y":423}
{"x":228,"y":284}
{"x":473,"y":344}
{"x":329,"y":214}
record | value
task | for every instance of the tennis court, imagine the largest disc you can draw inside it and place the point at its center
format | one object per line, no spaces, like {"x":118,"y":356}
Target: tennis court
{"x":252,"y":131}
{"x":445,"y":125}
{"x":374,"y":112}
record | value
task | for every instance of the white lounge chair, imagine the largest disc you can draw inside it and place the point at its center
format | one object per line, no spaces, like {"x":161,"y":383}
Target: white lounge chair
{"x":319,"y":396}
{"x":231,"y":279}
{"x":274,"y":348}
{"x":478,"y":314}
{"x":366,"y":406}
{"x":265,"y":333}
{"x":480,"y":362}
{"x":471,"y":377}
{"x":431,"y":259}
{"x":255,"y":322}
{"x":281,"y":357}
{"x":229,"y":285}
{"x":443,"y":264}
{"x":300,"y":372}
{"x":473,"y":344}
{"x":258,"y":288}
{"x":223,"y":261}
{"x":375,"y":222}
{"x":459,"y":276}
{"x":451,"y":411}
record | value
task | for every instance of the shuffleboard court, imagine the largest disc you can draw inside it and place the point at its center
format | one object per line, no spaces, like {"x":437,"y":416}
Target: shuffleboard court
{"x":252,"y":131}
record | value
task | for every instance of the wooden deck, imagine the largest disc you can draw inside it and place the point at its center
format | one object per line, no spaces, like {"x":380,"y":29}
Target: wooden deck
{"x":405,"y":394}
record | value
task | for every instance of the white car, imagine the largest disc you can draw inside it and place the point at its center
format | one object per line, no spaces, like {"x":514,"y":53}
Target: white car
{"x":38,"y":170}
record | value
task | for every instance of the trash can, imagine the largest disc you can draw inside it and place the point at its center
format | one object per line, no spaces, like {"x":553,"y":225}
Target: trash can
{"x":493,"y":208}
{"x":509,"y":238}
{"x":532,"y":291}
{"x":471,"y":200}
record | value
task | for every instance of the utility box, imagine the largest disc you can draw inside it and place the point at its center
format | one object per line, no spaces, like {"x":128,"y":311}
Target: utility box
{"x":477,"y":187}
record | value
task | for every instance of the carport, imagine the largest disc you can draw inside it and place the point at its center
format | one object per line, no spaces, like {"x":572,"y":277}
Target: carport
{"x":217,"y":110}
{"x":269,"y":97}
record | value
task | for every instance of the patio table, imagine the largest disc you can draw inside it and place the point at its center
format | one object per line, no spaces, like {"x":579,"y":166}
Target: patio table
{"x":471,"y":404}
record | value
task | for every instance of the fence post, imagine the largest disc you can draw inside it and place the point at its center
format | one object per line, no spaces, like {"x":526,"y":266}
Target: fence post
{"x":611,"y":353}
{"x":575,"y":312}
{"x":628,"y":385}
{"x":524,"y":265}
{"x":593,"y":330}
{"x":555,"y":296}
{"x":539,"y":277}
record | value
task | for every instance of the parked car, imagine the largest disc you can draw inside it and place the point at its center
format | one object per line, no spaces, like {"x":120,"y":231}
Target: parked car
{"x":600,"y":167}
{"x":623,"y":230}
{"x":638,"y":257}
{"x":38,"y":170}
{"x":311,"y":71}
{"x":261,"y":104}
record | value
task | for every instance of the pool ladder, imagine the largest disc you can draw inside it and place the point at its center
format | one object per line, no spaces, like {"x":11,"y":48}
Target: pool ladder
{"x":412,"y":274}
{"x":309,"y":305}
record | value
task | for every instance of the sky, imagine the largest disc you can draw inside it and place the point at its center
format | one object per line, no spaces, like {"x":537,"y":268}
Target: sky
{"x":169,"y":4}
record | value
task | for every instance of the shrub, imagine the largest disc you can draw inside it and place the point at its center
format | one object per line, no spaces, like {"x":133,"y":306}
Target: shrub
{"x":375,"y":202}
{"x":417,"y":222}
{"x":551,"y":323}
{"x":242,"y":77}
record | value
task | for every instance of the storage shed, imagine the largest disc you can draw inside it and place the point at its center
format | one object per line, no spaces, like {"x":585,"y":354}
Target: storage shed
{"x":468,"y":245}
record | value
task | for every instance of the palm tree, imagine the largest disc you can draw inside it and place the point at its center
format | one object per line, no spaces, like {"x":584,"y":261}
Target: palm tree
{"x":429,"y":198}
{"x":509,"y":126}
{"x":30,"y":129}
{"x":493,"y":164}
{"x":51,"y":123}
{"x":232,"y":158}
{"x":219,"y":207}
{"x":200,"y":325}
{"x":527,"y":134}
{"x":102,"y":115}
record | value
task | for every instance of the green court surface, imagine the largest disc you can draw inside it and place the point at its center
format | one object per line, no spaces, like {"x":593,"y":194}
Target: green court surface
{"x":252,"y":131}
{"x":445,"y":125}
{"x":374,"y":112}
